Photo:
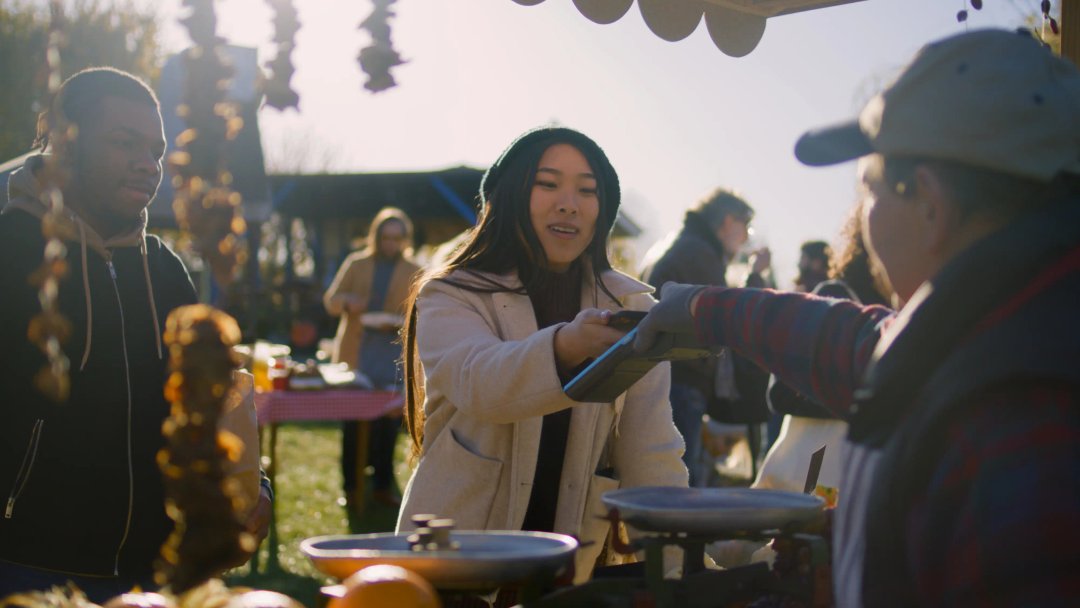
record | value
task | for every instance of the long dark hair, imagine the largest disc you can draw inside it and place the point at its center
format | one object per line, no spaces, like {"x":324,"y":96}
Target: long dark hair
{"x":504,"y":241}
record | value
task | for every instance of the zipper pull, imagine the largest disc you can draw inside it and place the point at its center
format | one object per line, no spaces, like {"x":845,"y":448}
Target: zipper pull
{"x":10,"y":507}
{"x":112,"y":269}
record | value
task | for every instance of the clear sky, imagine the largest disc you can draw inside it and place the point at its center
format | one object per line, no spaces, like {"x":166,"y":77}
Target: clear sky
{"x":676,"y":119}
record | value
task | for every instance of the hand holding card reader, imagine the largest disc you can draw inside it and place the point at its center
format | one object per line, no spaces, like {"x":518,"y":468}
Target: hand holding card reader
{"x":620,"y":367}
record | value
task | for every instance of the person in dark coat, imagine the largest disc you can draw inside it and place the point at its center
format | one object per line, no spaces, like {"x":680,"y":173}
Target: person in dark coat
{"x":83,"y":496}
{"x":813,"y":265}
{"x":713,"y":232}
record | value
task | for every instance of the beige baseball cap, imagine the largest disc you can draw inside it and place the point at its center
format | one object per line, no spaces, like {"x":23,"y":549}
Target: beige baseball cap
{"x":994,"y":99}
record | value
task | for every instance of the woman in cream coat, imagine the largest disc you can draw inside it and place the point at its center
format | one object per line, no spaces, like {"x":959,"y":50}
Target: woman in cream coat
{"x":491,"y":338}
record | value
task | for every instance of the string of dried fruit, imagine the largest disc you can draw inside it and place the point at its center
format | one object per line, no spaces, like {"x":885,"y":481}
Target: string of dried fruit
{"x":205,"y":204}
{"x":1044,"y":6}
{"x":49,"y":329}
{"x":377,"y":59}
{"x":1048,"y":19}
{"x":209,"y":536}
{"x":279,"y":94}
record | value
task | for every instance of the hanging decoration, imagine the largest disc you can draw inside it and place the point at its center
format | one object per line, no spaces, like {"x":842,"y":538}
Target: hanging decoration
{"x":1045,"y":7}
{"x":1048,"y":19}
{"x":208,"y":536}
{"x":735,"y":26}
{"x":279,"y":93}
{"x":205,"y":204}
{"x":49,"y":329}
{"x":603,"y":11}
{"x":379,"y":57}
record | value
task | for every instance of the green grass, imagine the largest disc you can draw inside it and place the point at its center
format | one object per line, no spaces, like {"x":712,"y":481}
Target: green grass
{"x":309,"y":502}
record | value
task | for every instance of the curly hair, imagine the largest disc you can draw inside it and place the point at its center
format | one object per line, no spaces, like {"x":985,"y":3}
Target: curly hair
{"x":854,"y":266}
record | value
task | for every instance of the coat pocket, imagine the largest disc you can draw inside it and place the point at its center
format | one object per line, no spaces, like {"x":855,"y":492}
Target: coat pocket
{"x":593,"y":532}
{"x":25,"y":468}
{"x":454,"y":481}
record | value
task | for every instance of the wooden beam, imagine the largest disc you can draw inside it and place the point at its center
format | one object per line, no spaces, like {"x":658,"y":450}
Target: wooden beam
{"x":1070,"y":30}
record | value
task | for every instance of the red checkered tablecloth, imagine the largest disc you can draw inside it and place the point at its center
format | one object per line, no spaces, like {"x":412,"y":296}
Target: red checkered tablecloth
{"x":336,"y":404}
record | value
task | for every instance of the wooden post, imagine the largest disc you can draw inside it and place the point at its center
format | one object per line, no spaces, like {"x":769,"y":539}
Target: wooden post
{"x":1070,"y":30}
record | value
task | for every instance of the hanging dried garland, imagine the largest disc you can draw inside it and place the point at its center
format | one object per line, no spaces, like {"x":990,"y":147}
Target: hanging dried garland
{"x":48,"y":330}
{"x":377,"y":59}
{"x":279,"y":93}
{"x":1048,"y":19}
{"x":206,"y":206}
{"x":1044,"y":6}
{"x":209,"y":536}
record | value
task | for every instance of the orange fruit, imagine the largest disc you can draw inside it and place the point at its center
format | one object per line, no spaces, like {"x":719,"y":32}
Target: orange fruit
{"x":386,"y":586}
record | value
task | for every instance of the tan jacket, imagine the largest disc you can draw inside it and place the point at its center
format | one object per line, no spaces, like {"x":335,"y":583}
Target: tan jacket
{"x":490,"y":378}
{"x":355,"y":277}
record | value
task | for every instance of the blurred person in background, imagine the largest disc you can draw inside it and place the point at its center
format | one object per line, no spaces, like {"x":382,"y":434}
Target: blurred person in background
{"x":813,"y":265}
{"x":371,"y":281}
{"x":729,"y":389}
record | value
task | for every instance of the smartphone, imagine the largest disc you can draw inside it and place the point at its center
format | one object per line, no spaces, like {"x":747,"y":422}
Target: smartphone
{"x":625,"y":320}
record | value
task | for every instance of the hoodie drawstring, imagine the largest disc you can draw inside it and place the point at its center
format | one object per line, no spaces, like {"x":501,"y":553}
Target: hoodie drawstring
{"x":86,"y":292}
{"x":89,"y":305}
{"x":150,"y":290}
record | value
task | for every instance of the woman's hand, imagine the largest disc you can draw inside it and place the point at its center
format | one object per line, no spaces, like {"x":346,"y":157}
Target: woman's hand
{"x":588,"y":335}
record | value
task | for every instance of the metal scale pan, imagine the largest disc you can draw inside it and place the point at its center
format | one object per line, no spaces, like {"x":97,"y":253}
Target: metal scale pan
{"x":712,"y":512}
{"x":481,"y":560}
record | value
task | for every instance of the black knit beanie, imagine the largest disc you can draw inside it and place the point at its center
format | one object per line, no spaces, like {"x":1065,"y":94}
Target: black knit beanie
{"x":547,"y":136}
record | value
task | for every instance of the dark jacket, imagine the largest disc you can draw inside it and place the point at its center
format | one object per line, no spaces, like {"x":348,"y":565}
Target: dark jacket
{"x":697,"y":257}
{"x":79,"y":479}
{"x":999,"y":320}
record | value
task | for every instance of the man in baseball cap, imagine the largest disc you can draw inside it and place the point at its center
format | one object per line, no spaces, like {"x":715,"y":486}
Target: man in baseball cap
{"x":961,"y":464}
